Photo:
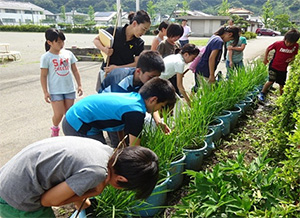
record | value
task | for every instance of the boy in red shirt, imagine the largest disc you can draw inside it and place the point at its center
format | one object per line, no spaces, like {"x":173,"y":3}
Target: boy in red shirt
{"x":285,"y":52}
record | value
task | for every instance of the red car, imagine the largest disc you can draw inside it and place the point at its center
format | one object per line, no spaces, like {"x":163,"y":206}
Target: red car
{"x":267,"y":32}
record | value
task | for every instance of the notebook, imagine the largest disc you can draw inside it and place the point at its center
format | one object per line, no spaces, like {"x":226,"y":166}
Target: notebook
{"x":106,"y":39}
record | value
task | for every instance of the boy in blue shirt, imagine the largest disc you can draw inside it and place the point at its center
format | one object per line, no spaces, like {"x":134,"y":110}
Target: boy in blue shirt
{"x":149,"y":65}
{"x":116,"y":112}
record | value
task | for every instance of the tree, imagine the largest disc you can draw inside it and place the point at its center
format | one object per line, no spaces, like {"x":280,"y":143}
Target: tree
{"x":151,"y":9}
{"x":63,"y":13}
{"x":185,"y":8}
{"x":268,"y":14}
{"x":91,"y":13}
{"x":223,"y":9}
{"x":283,"y":22}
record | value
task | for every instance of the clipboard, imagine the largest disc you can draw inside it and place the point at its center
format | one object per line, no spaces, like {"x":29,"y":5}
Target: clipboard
{"x":106,"y":39}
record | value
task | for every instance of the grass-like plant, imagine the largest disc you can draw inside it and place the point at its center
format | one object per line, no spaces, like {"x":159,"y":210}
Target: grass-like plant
{"x":235,"y":189}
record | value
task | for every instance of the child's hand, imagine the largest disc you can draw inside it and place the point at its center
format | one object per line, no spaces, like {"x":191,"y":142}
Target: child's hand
{"x":266,"y":61}
{"x":79,"y":91}
{"x":289,"y":60}
{"x":110,"y":68}
{"x":164,"y":127}
{"x":47,"y":97}
{"x":230,"y":64}
{"x":211,"y":79}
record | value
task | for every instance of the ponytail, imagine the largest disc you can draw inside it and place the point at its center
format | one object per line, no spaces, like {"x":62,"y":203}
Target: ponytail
{"x":139,"y":16}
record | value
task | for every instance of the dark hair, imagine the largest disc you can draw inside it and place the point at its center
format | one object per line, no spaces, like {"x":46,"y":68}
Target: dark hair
{"x":174,"y":29}
{"x":161,"y":88}
{"x":139,"y":16}
{"x":163,"y":24}
{"x":191,"y":49}
{"x":230,"y":29}
{"x":139,"y":165}
{"x":150,"y":61}
{"x":53,"y":34}
{"x":292,"y":35}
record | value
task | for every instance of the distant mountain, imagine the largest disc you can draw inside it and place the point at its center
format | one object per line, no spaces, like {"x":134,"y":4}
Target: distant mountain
{"x":290,"y":7}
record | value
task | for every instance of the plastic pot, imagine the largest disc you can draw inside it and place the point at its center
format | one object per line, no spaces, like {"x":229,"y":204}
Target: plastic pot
{"x":194,"y":157}
{"x":209,"y":140}
{"x":217,"y":125}
{"x":226,"y":117}
{"x":176,"y":173}
{"x":236,"y":112}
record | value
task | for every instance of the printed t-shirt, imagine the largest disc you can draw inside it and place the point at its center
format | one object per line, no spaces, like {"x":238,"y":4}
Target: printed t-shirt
{"x":59,"y":78}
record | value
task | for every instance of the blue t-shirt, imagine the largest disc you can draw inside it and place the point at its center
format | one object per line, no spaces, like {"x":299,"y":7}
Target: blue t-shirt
{"x":111,"y":112}
{"x":215,"y":43}
{"x":119,"y":80}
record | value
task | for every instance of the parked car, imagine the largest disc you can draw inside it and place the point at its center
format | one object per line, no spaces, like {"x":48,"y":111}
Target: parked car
{"x":267,"y":32}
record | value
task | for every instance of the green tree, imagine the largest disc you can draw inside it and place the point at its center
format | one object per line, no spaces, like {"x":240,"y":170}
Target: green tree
{"x":223,"y":9}
{"x":151,"y":9}
{"x":283,"y":22}
{"x":185,"y":8}
{"x":268,"y":14}
{"x":63,"y":13}
{"x":91,"y":13}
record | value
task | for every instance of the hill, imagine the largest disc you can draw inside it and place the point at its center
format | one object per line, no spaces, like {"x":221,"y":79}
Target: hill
{"x":290,"y":7}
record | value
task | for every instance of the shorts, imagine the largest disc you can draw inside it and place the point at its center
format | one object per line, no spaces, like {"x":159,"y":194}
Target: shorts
{"x":61,"y":97}
{"x":8,"y":211}
{"x":277,"y":76}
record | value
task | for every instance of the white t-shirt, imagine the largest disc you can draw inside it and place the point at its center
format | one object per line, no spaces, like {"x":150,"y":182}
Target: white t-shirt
{"x":186,"y":32}
{"x":59,"y":79}
{"x":173,"y":64}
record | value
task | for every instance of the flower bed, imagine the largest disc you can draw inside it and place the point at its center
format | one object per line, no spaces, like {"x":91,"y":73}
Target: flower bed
{"x":189,"y":127}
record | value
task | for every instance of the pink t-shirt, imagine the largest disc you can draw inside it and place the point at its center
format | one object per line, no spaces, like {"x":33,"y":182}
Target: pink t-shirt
{"x":282,"y":54}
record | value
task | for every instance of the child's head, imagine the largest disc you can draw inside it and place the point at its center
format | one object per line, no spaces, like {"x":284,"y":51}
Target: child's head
{"x":158,"y":93}
{"x":229,"y":33}
{"x":174,"y":32}
{"x":139,"y":166}
{"x":162,"y":27}
{"x":189,"y":52}
{"x":150,"y":64}
{"x":53,"y":35}
{"x":141,"y":22}
{"x":291,"y":37}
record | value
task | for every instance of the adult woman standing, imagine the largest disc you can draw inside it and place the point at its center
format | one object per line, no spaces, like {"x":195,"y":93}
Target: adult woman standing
{"x":127,"y":44}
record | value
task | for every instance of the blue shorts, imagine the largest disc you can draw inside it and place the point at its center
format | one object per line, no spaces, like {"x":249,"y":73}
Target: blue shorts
{"x":61,"y":97}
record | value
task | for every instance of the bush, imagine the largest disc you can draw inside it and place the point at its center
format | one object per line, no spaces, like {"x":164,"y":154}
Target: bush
{"x":249,"y":35}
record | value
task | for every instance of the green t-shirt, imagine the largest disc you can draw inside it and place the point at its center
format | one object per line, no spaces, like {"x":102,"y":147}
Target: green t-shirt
{"x":237,"y":56}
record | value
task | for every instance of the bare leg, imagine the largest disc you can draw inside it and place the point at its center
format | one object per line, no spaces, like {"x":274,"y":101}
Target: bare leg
{"x":58,"y":110}
{"x":68,"y":104}
{"x":266,"y":87}
{"x":280,"y":89}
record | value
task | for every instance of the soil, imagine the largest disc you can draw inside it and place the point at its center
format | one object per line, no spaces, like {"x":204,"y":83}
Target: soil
{"x":246,"y":137}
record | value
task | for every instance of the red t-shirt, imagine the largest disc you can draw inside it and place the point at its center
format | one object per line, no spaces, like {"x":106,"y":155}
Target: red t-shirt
{"x":282,"y":54}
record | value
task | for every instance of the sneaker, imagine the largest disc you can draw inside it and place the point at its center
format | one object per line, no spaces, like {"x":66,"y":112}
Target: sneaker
{"x":55,"y":131}
{"x":261,"y":96}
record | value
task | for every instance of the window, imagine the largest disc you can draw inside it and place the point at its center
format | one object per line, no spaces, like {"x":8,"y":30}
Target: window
{"x":10,"y":11}
{"x":8,"y":20}
{"x":28,"y":12}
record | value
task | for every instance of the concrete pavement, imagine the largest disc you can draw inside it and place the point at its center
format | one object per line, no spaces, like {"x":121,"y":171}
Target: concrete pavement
{"x":25,"y":116}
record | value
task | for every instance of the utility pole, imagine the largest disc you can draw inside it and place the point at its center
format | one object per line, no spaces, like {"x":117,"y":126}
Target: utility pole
{"x":119,"y":10}
{"x":137,"y":3}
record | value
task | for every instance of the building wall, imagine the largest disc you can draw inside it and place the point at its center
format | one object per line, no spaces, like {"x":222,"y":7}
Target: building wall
{"x":20,"y":17}
{"x":204,"y":28}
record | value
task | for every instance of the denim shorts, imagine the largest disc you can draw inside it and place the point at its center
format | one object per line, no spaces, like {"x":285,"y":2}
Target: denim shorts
{"x":61,"y":97}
